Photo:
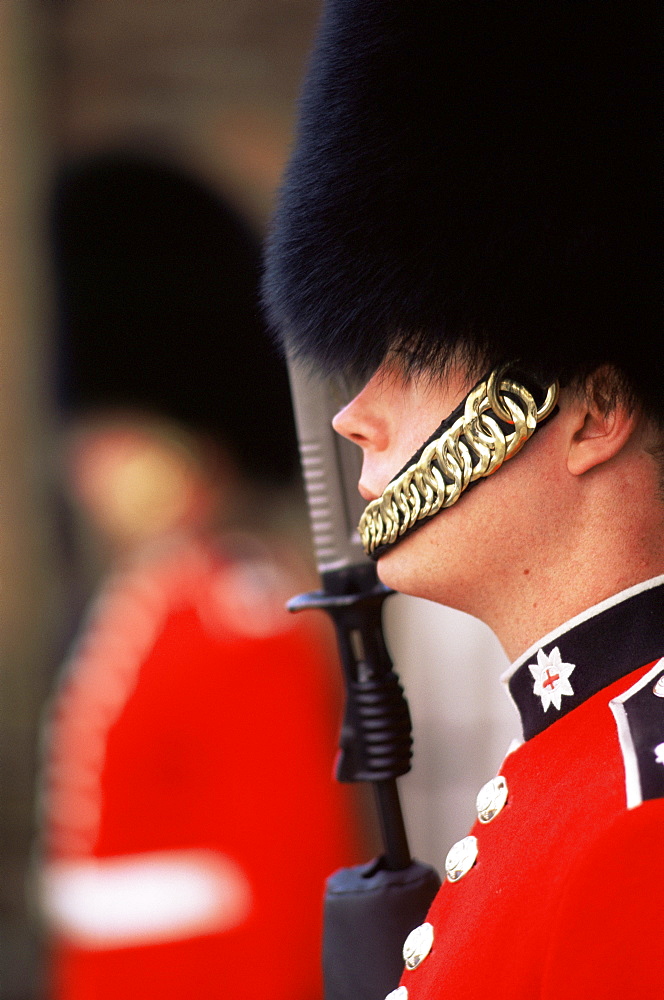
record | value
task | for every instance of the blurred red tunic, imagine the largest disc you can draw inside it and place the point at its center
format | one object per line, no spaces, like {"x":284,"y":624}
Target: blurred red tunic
{"x":191,"y":816}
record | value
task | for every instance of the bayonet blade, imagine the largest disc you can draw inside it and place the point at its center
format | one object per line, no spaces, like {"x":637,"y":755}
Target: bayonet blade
{"x":331,"y":469}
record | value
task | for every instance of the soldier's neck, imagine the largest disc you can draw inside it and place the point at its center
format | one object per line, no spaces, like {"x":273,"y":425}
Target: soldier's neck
{"x":550,"y":605}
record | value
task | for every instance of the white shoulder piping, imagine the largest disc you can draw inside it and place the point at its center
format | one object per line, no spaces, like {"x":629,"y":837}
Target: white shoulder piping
{"x":617,"y":705}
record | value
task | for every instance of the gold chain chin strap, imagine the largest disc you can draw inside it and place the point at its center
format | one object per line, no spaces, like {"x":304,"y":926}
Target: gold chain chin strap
{"x":446,"y":468}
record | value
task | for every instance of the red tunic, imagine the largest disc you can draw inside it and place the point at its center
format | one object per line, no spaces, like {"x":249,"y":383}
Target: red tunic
{"x":564,"y":898}
{"x":191,"y":813}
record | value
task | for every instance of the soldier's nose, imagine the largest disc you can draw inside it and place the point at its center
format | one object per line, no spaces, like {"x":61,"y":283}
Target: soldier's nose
{"x":364,"y":428}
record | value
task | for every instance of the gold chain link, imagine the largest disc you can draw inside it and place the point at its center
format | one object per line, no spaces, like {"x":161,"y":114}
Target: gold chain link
{"x":474,"y":446}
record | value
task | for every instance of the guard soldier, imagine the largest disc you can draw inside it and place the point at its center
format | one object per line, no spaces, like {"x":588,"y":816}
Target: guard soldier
{"x":191,"y":736}
{"x":468,"y":224}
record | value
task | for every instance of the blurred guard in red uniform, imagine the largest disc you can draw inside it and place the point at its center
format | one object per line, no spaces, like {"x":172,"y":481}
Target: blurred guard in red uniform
{"x":471,"y":224}
{"x":190,"y":814}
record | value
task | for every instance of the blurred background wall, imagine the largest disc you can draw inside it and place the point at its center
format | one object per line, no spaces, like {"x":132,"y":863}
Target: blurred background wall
{"x":212,"y":83}
{"x":213,"y":80}
{"x":29,"y":601}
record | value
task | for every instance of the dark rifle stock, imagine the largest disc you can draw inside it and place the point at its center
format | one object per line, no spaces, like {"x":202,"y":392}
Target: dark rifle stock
{"x":369,"y":910}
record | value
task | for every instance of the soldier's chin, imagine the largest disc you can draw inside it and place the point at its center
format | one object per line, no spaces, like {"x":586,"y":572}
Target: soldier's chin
{"x":400,"y":568}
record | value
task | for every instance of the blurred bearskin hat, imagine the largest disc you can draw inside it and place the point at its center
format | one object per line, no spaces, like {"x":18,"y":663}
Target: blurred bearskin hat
{"x":157,"y":283}
{"x":476,"y":176}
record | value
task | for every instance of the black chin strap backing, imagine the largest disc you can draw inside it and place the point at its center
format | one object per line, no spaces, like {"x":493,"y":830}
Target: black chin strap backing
{"x":489,"y":427}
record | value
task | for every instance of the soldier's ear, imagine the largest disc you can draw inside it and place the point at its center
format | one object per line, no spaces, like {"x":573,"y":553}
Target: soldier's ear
{"x":604,"y":421}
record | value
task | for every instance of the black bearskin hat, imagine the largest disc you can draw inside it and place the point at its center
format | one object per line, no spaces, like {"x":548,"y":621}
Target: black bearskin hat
{"x":481,"y":177}
{"x":157,"y":281}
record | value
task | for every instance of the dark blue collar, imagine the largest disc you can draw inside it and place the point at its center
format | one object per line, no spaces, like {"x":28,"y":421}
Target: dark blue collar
{"x":587,"y":654}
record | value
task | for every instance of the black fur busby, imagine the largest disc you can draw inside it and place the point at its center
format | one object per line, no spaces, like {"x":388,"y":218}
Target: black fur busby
{"x":157,"y":281}
{"x":475,"y":176}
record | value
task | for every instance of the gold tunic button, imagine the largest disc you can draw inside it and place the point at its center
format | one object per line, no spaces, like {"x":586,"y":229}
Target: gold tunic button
{"x":461,"y":858}
{"x":401,"y":993}
{"x":491,"y":799}
{"x":418,"y":945}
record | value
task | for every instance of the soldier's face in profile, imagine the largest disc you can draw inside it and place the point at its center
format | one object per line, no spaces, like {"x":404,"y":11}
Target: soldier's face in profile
{"x":463,"y":556}
{"x":392,"y":415}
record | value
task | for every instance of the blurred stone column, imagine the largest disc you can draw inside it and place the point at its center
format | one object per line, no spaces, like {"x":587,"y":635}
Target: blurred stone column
{"x":27,"y":592}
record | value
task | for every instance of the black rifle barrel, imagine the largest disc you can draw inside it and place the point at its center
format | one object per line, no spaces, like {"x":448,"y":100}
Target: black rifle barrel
{"x":371,"y":908}
{"x":375,"y":743}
